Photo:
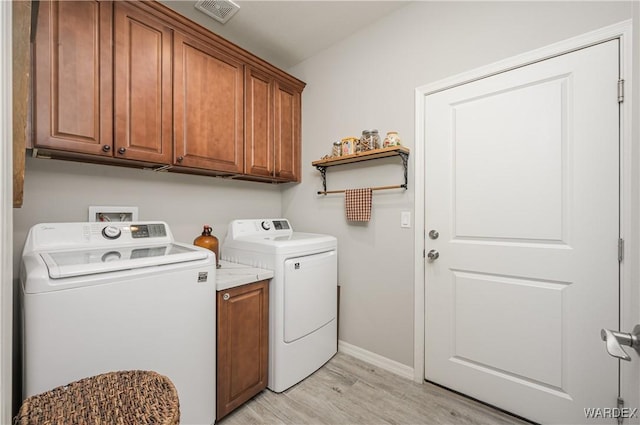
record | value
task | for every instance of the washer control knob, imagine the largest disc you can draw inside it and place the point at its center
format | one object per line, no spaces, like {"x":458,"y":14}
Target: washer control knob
{"x":111,"y":256}
{"x":111,"y":232}
{"x":266,"y":225}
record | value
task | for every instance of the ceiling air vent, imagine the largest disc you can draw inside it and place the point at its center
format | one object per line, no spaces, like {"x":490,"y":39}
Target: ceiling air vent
{"x":220,"y":10}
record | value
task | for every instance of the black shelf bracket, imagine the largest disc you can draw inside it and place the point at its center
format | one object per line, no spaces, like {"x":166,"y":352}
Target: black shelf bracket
{"x":323,"y":173}
{"x":405,"y":163}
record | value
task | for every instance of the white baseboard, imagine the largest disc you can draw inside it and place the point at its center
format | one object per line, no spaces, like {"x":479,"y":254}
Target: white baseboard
{"x":376,"y":360}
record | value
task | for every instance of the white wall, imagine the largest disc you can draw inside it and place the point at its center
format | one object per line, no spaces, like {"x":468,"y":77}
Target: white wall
{"x":368,"y":81}
{"x":59,"y":191}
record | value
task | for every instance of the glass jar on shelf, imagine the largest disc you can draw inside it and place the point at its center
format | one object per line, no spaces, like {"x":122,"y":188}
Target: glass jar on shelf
{"x":349,"y":145}
{"x":369,"y":140}
{"x":336,"y":150}
{"x":392,"y":139}
{"x":375,"y":140}
{"x":365,"y":140}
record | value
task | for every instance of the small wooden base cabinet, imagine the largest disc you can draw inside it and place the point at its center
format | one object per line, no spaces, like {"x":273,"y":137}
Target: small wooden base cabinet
{"x":243,"y":344}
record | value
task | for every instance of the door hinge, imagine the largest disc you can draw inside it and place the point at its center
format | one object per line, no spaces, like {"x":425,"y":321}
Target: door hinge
{"x":620,"y":250}
{"x":423,"y":253}
{"x":620,"y":407}
{"x":620,"y":90}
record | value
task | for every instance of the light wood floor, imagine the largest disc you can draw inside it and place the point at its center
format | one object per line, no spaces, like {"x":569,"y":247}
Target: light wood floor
{"x":349,"y":391}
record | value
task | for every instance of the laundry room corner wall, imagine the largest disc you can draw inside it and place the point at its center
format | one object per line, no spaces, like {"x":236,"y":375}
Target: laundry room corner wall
{"x":62,"y":191}
{"x":368,"y":81}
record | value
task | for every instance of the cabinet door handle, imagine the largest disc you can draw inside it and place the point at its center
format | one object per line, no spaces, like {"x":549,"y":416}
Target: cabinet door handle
{"x":106,"y":148}
{"x":180,"y":159}
{"x":226,"y":296}
{"x":121,"y":151}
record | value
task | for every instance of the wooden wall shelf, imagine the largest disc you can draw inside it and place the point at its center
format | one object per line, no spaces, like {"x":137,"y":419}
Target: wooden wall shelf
{"x":323,"y":164}
{"x":361,"y":156}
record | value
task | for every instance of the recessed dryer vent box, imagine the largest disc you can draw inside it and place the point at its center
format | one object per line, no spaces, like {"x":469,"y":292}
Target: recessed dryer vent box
{"x":113,"y":213}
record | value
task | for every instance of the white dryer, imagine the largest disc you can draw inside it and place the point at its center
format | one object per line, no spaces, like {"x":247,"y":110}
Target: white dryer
{"x":103,"y":297}
{"x":302,"y":295}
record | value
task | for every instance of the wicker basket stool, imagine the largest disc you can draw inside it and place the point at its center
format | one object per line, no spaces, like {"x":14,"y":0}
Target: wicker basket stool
{"x":121,"y":398}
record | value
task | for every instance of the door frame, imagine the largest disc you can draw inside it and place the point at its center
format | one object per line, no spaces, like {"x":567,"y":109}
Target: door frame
{"x":629,"y":189}
{"x":6,"y":215}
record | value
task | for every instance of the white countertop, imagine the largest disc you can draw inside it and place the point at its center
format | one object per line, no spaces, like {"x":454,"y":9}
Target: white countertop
{"x":230,"y":275}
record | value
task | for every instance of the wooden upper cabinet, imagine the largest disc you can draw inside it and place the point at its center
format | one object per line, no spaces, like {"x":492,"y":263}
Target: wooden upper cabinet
{"x":73,"y":78}
{"x":136,"y":84}
{"x":208,"y":107}
{"x":288,"y":106}
{"x":272,"y":120}
{"x":142,"y":86}
{"x":259,"y":123}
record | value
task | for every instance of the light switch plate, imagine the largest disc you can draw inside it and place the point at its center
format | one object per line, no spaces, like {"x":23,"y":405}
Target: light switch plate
{"x":405,"y":219}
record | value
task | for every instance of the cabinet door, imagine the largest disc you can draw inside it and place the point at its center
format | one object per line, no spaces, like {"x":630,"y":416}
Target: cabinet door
{"x":142,"y":63}
{"x":287,"y":132}
{"x":208,"y":107}
{"x":243,"y":345}
{"x":73,"y":77}
{"x":259,"y":123}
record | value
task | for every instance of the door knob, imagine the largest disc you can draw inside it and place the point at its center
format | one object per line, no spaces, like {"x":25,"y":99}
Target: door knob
{"x":433,"y":255}
{"x":615,"y":341}
{"x":121,"y":151}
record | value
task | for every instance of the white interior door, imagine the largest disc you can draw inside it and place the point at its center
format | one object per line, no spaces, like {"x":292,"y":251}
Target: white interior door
{"x":522,"y":184}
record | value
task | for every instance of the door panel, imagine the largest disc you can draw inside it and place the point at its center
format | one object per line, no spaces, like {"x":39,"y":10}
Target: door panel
{"x":208,"y":107}
{"x":310,"y":297}
{"x":287,"y":132}
{"x":522,"y":185}
{"x":502,"y":298}
{"x":532,"y":193}
{"x":259,"y":122}
{"x":143,"y":86}
{"x":73,"y":77}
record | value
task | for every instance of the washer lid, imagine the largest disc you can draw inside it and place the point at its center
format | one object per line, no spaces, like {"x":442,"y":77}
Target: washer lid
{"x":62,"y":264}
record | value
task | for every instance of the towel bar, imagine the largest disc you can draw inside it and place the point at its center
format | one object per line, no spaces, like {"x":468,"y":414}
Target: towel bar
{"x":397,"y":186}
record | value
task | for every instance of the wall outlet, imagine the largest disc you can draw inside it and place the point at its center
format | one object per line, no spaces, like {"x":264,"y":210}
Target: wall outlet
{"x":405,"y":219}
{"x":107,"y":213}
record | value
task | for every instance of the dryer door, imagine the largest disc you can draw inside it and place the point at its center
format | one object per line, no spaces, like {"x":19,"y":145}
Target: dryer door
{"x":310,"y":293}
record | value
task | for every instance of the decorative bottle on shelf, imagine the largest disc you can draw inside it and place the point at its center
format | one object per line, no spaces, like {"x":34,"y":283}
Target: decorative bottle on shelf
{"x":208,"y":241}
{"x":392,"y":139}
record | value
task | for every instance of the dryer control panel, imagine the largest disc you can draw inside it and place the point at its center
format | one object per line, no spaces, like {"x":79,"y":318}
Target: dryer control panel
{"x":267,"y":227}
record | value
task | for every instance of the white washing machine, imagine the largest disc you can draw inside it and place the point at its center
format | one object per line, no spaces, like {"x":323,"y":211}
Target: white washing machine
{"x":302,"y":295}
{"x":103,"y":297}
